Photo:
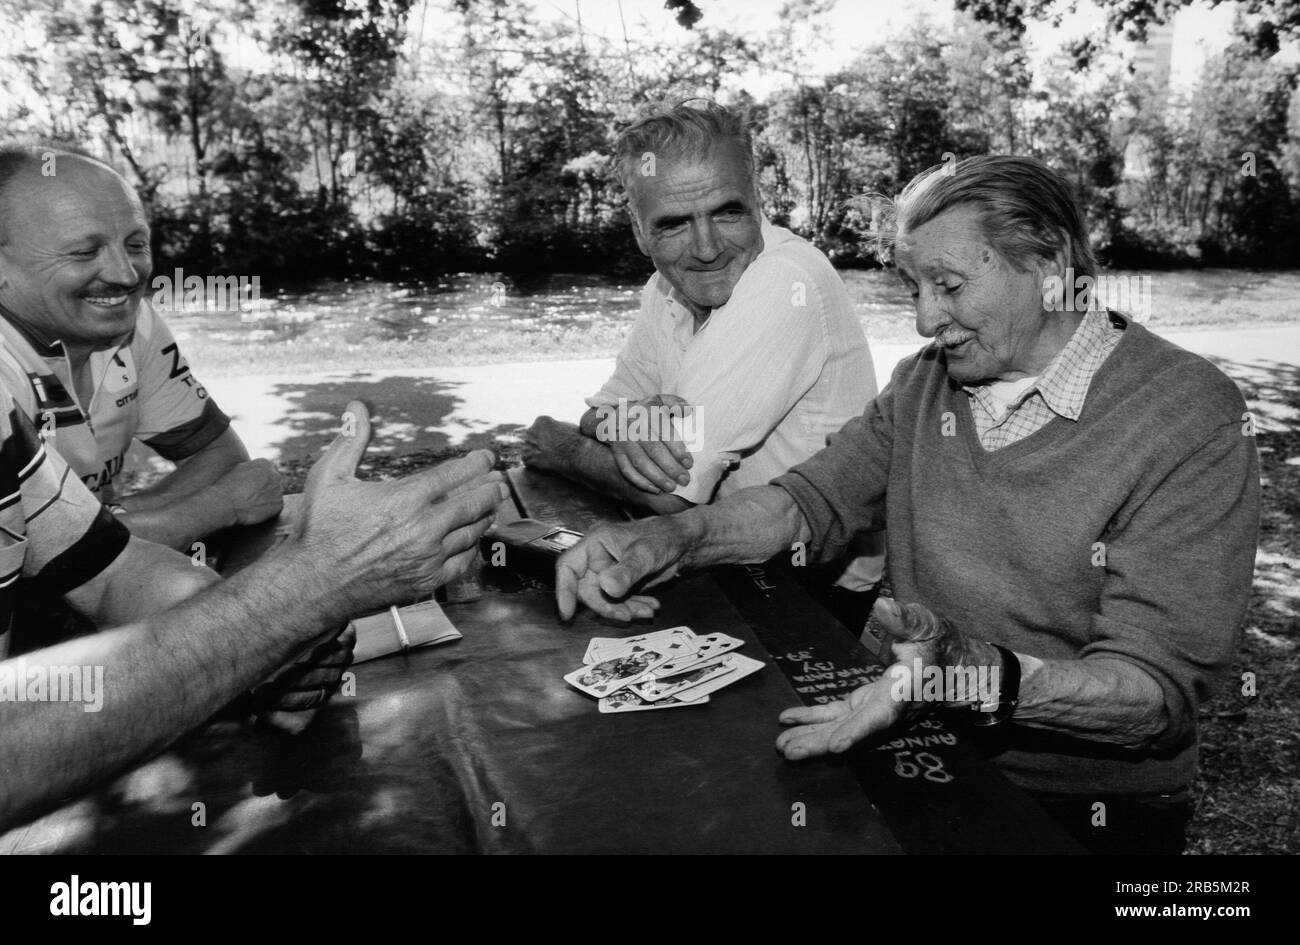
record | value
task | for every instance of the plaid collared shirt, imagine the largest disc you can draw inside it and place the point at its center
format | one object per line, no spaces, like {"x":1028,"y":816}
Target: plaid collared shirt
{"x":1059,"y":391}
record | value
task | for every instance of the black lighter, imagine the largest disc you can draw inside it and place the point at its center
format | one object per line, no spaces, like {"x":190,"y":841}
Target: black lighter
{"x":528,"y":545}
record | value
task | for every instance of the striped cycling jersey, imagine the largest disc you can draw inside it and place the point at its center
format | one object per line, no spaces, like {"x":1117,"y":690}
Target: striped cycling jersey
{"x":54,"y":535}
{"x":142,"y":390}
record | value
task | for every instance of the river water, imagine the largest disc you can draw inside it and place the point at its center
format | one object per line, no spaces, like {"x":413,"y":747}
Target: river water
{"x":461,"y":303}
{"x":502,"y":317}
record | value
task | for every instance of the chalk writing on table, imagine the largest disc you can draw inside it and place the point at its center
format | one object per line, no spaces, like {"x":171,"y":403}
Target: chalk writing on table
{"x":820,"y":681}
{"x":923,"y":764}
{"x":759,"y":577}
{"x":822,"y":675}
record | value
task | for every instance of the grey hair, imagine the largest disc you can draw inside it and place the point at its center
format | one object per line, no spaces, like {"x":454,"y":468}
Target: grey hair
{"x":692,"y":128}
{"x":1026,"y":209}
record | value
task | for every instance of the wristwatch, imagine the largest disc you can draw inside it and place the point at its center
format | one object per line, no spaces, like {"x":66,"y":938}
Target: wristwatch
{"x":1008,"y":692}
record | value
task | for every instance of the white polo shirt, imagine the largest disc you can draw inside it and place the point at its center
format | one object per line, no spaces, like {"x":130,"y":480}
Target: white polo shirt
{"x":774,"y":371}
{"x":143,"y":390}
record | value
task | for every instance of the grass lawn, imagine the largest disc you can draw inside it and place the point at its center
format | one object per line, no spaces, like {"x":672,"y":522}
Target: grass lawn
{"x":1248,"y":792}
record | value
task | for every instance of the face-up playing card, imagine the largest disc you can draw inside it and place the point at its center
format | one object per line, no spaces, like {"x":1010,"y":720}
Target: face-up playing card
{"x":740,"y":667}
{"x":611,"y":674}
{"x":677,"y":641}
{"x":596,"y":645}
{"x":654,"y":689}
{"x":626,"y":700}
{"x":707,"y":649}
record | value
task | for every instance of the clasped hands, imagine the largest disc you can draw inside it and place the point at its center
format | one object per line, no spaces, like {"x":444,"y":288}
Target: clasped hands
{"x":641,"y":435}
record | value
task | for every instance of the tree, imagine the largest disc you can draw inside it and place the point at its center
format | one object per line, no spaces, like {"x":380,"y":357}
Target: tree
{"x":1211,"y":183}
{"x":1269,"y":20}
{"x":346,"y":55}
{"x":990,"y":80}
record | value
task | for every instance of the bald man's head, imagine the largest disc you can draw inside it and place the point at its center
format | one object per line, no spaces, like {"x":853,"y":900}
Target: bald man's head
{"x":74,"y":246}
{"x":24,"y":160}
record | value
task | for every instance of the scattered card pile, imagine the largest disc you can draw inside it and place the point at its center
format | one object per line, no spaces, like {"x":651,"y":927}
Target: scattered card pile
{"x":666,"y":669}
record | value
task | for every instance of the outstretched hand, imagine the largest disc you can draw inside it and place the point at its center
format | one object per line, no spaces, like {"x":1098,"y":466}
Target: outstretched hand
{"x":879,"y":706}
{"x":392,"y":542}
{"x":603,"y":568}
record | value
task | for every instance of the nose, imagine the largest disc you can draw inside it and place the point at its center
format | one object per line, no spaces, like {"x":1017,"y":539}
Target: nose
{"x":931,"y":312}
{"x":117,"y":269}
{"x":706,"y":241}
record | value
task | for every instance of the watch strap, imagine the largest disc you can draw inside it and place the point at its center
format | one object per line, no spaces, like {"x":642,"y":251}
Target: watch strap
{"x":1008,"y":690}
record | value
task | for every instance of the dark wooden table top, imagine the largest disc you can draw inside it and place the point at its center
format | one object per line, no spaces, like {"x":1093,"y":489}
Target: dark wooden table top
{"x":480,"y":746}
{"x":935,"y":789}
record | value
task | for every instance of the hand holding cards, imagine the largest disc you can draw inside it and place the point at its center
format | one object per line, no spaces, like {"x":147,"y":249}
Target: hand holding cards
{"x":661,"y":670}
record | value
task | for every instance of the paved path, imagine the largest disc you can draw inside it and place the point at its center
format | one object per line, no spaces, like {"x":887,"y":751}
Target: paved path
{"x":293,"y":416}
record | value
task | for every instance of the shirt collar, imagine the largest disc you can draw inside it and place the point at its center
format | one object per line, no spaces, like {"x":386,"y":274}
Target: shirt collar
{"x":1064,"y":383}
{"x":46,"y":346}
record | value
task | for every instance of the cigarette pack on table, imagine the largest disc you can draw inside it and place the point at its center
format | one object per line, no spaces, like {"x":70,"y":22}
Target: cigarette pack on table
{"x":402,"y":628}
{"x":527,"y":545}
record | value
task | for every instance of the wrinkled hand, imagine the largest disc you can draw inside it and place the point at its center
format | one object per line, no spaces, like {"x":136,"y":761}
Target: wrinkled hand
{"x":391,"y":542}
{"x":915,"y":633}
{"x":613,"y":559}
{"x":252,"y":490}
{"x":545,"y":444}
{"x":291,"y":699}
{"x":656,"y":461}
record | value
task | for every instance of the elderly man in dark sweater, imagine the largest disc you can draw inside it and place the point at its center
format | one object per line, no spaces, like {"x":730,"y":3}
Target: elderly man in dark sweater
{"x":1072,"y":505}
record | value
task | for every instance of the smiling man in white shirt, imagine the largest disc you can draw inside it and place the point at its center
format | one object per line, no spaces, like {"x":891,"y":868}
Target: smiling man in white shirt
{"x":745,"y":354}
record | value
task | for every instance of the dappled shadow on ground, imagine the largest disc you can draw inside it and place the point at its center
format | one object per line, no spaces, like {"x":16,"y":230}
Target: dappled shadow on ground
{"x":1249,"y":783}
{"x":1272,"y":389}
{"x":411,"y":414}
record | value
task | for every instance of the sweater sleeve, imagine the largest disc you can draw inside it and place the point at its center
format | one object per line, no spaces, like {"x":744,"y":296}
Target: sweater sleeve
{"x":841,"y":489}
{"x":1178,"y":574}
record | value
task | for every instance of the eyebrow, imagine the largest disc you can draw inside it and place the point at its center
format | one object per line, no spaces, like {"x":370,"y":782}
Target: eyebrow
{"x":97,"y":237}
{"x":935,"y":272}
{"x":663,"y":223}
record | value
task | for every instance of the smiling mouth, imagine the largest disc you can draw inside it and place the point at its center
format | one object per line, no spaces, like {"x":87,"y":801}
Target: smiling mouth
{"x":106,"y":301}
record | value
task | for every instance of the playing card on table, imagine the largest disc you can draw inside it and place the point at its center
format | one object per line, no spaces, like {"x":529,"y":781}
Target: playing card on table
{"x":707,"y":649}
{"x":653,"y":689}
{"x":740,"y":667}
{"x":614,"y":672}
{"x":678,"y":641}
{"x":626,"y":700}
{"x":596,"y":645}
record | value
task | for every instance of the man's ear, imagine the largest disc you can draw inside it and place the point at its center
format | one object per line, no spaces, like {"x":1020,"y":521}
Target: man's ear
{"x":1056,"y":267}
{"x":636,"y":231}
{"x":1059,"y":261}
